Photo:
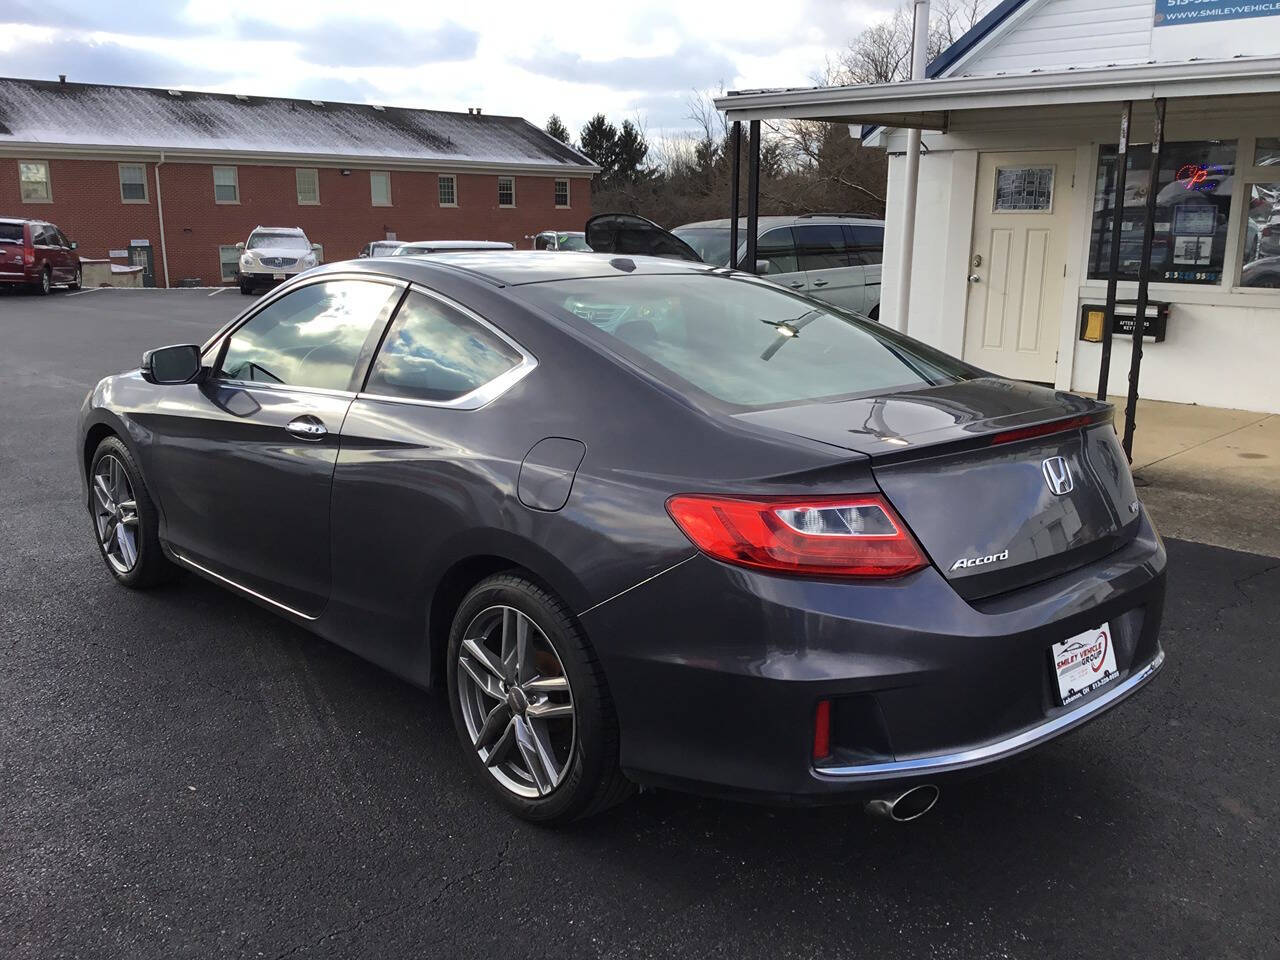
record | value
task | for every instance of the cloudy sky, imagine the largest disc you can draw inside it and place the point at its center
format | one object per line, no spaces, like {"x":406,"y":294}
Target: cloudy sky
{"x":524,"y":58}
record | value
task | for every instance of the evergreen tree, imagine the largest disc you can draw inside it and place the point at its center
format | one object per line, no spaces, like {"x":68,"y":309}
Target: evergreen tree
{"x":555,"y":127}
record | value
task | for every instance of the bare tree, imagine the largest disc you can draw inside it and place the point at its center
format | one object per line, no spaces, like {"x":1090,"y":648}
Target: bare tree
{"x":882,"y":52}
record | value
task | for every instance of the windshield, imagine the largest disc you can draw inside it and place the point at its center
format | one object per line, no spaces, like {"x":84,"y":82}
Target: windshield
{"x":572,"y":241}
{"x":286,"y":241}
{"x":743,"y":342}
{"x":710,"y":243}
{"x":10,"y":233}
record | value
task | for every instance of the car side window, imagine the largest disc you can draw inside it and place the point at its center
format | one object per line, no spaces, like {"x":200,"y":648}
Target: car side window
{"x":821,"y":247}
{"x":866,"y":244}
{"x":434,"y":352}
{"x":62,"y":239}
{"x":43,"y":236}
{"x":777,"y":247}
{"x":311,"y":337}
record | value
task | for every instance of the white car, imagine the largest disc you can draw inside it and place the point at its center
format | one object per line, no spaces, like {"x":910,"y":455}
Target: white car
{"x":831,"y":257}
{"x":446,"y":246}
{"x":272,"y":255}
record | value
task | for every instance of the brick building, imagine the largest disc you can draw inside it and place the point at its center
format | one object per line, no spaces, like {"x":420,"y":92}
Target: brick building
{"x":174,"y":179}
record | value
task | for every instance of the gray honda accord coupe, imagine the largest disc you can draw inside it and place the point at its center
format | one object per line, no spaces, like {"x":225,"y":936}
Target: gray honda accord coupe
{"x":646,"y":522}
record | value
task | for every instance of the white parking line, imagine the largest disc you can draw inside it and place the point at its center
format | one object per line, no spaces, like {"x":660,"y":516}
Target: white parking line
{"x":219,"y":290}
{"x":78,"y":293}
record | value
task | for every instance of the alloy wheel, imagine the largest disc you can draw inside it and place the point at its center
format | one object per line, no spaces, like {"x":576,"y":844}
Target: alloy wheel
{"x":516,"y":701}
{"x":45,"y":281}
{"x":115,"y":514}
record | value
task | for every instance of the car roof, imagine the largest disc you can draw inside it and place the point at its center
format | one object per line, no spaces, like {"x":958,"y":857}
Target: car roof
{"x":515,"y":267}
{"x":19,"y":220}
{"x":768,"y":223}
{"x":563,"y":233}
{"x":459,"y":244}
{"x":297,"y":230}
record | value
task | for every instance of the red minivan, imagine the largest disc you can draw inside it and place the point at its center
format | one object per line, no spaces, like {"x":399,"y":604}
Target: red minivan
{"x":37,"y":254}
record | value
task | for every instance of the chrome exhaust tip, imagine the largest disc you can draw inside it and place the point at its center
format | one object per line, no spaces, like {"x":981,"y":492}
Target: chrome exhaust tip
{"x":903,"y":807}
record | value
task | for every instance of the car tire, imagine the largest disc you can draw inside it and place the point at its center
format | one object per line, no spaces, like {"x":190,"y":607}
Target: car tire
{"x":581,"y":775}
{"x":45,"y":283}
{"x":78,"y":280}
{"x":245,"y":289}
{"x":147,"y":565}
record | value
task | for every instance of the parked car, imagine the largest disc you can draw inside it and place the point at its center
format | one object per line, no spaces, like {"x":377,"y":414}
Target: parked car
{"x":272,"y":255}
{"x":447,"y":246}
{"x":561,"y":240}
{"x":832,"y":257}
{"x":1261,"y":273}
{"x":36,"y":254}
{"x":378,"y":248}
{"x":647,"y":521}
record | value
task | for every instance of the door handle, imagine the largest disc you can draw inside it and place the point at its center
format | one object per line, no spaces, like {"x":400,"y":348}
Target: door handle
{"x":307,"y":427}
{"x":820,"y":283}
{"x":796,"y":284}
{"x":974,"y":278}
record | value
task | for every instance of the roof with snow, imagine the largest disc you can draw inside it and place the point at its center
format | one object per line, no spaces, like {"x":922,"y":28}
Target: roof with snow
{"x":187,"y":123}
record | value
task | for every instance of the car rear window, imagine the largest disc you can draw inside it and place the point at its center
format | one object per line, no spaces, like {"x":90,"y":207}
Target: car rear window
{"x":10,"y":233}
{"x":740,"y":341}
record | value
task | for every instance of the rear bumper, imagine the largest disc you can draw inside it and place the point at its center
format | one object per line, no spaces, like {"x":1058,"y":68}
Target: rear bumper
{"x":716,"y":672}
{"x":19,"y":276}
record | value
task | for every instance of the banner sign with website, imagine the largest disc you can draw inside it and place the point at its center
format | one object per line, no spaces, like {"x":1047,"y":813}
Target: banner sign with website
{"x":1173,"y":13}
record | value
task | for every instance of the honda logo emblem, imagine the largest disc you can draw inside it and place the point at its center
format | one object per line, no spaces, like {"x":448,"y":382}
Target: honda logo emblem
{"x":1057,"y":474}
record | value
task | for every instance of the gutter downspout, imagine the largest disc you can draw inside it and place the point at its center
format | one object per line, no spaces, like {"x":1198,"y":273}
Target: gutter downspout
{"x":911,"y":178}
{"x":164,"y":250}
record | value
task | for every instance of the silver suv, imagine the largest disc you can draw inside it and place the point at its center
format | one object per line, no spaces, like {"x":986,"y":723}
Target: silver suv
{"x":829,"y":256}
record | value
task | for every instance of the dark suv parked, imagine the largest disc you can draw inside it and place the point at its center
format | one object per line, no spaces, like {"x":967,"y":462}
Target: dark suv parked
{"x":37,"y":254}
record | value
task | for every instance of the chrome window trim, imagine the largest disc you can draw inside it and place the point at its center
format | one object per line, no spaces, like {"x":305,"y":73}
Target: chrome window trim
{"x":482,"y":395}
{"x":1001,"y":749}
{"x":283,"y":387}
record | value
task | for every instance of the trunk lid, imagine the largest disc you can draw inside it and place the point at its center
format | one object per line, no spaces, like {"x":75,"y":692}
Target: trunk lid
{"x":1003,"y":483}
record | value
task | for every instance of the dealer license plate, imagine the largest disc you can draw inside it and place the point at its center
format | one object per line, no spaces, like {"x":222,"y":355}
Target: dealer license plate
{"x":1084,"y":663}
{"x":277,"y":276}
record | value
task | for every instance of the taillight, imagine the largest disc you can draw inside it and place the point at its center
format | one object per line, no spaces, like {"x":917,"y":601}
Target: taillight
{"x":822,"y":730}
{"x":29,"y":256}
{"x":1054,"y":426}
{"x":854,"y":536}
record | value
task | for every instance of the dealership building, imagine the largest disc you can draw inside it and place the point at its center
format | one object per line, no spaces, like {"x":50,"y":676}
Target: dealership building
{"x":1016,"y":193}
{"x":171,"y":180}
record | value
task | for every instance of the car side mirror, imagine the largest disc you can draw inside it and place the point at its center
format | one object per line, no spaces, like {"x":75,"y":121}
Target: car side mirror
{"x":74,"y":245}
{"x":240,"y":246}
{"x":171,"y":365}
{"x":763,"y":266}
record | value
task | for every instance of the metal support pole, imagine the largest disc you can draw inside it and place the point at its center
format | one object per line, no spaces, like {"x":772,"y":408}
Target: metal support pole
{"x":753,"y":194}
{"x":1144,"y":268}
{"x":736,"y":139}
{"x":911,"y":171}
{"x":1117,"y":224}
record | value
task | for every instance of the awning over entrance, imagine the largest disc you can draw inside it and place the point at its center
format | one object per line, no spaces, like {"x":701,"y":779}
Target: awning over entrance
{"x":926,"y":104}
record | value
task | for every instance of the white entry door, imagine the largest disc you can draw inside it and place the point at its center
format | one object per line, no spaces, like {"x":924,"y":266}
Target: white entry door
{"x":1018,"y":263}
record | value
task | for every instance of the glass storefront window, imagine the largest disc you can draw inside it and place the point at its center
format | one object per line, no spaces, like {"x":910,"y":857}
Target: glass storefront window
{"x":1262,"y":236}
{"x":1193,"y":198}
{"x":1267,"y":152}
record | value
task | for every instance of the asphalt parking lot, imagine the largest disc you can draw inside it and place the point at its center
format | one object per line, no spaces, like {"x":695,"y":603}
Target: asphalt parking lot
{"x":184,"y":775}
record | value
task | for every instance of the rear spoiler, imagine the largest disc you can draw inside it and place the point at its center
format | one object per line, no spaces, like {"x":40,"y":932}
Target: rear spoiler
{"x":982,"y":436}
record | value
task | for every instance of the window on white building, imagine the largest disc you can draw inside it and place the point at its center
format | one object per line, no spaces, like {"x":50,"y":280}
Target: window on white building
{"x":380,"y":187}
{"x":307,"y":180}
{"x":448,"y":190}
{"x":1260,"y":253}
{"x":133,"y":183}
{"x":33,"y":181}
{"x":226,"y":185}
{"x":506,"y":191}
{"x":1193,"y":203}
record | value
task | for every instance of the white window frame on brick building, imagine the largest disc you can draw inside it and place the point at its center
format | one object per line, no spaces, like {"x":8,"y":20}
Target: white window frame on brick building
{"x":448,"y":197}
{"x":140,"y":181}
{"x":233,"y":182}
{"x":306,"y":181}
{"x":559,"y":182}
{"x":383,"y":177}
{"x":44,"y":180}
{"x":511,"y":191}
{"x":228,"y":261}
